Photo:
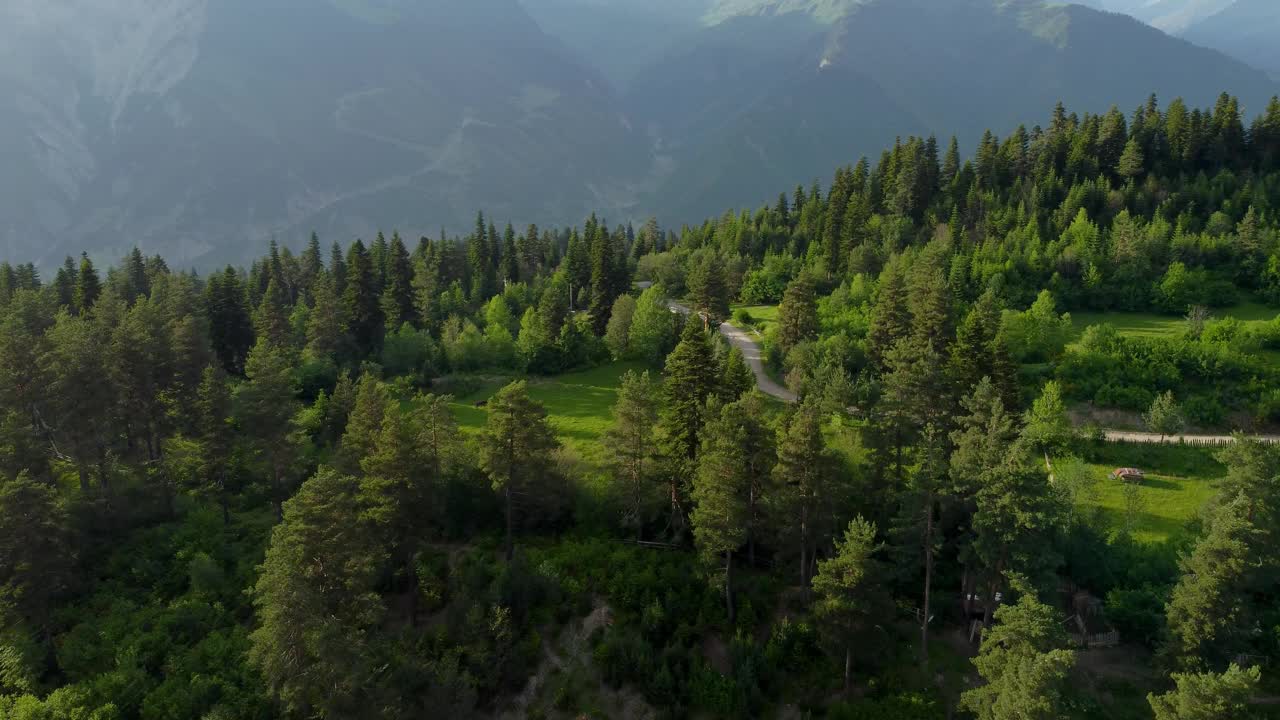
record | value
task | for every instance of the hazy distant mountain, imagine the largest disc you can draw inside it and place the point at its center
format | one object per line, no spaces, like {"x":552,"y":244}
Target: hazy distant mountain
{"x":619,"y":37}
{"x":200,"y":129}
{"x":776,"y":92}
{"x":1247,"y":29}
{"x":1171,"y":16}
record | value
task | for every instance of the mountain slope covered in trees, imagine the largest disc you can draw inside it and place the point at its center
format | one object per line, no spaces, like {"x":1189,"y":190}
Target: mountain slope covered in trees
{"x":773,"y":87}
{"x":247,"y":494}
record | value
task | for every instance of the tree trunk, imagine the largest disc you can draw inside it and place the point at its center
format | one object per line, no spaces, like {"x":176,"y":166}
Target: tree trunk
{"x":510,"y":523}
{"x":751,"y":526}
{"x":848,"y":667}
{"x":928,"y":587}
{"x":728,"y":583}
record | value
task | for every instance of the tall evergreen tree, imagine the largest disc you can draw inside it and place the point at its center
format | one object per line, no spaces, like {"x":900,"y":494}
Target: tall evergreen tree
{"x":88,"y":286}
{"x":397,"y":301}
{"x":516,"y":451}
{"x":361,"y":308}
{"x":850,"y":589}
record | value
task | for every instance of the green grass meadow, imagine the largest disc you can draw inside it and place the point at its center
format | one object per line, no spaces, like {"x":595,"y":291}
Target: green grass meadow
{"x":579,"y":405}
{"x":1180,"y":480}
{"x":764,"y":317}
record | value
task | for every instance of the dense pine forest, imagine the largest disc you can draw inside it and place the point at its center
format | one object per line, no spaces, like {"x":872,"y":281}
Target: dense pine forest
{"x":342,"y":483}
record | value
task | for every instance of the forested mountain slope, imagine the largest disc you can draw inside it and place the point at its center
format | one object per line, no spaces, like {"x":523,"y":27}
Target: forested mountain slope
{"x":200,"y":129}
{"x":395,"y":481}
{"x":758,"y":98}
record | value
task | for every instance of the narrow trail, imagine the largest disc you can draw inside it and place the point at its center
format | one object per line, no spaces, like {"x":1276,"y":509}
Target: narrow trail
{"x":753,"y":354}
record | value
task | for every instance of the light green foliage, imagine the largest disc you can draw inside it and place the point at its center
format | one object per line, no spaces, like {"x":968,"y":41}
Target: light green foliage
{"x":1038,"y":334}
{"x":1164,"y":416}
{"x":1208,"y":696}
{"x":850,"y":587}
{"x":1022,"y":662}
{"x":618,"y":334}
{"x":1207,"y":612}
{"x":516,"y":452}
{"x":631,"y":445}
{"x":653,"y":327}
{"x":316,"y":601}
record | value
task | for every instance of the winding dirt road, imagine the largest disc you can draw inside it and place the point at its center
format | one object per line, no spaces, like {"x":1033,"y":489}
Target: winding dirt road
{"x":754,"y":356}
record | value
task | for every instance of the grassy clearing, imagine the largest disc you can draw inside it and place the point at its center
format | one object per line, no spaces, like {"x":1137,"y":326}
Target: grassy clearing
{"x":1179,"y":482}
{"x":1151,"y":325}
{"x":579,"y":405}
{"x":763,"y":316}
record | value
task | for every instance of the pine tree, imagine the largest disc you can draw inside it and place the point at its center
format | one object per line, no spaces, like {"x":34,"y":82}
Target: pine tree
{"x":1023,"y":663}
{"x":397,"y":301}
{"x":737,"y":378}
{"x":632,"y":441}
{"x":1208,"y":611}
{"x":691,"y":377}
{"x":1130,"y":164}
{"x":797,"y":315}
{"x":850,"y":591}
{"x":324,"y":332}
{"x":1209,"y":696}
{"x":890,"y":320}
{"x":64,"y":285}
{"x":803,"y":472}
{"x":272,"y":321}
{"x":266,"y":405}
{"x":316,"y":602}
{"x":708,"y":291}
{"x":230,"y":326}
{"x":918,"y":531}
{"x":363,"y":425}
{"x":510,"y":260}
{"x":516,"y":451}
{"x":360,"y":302}
{"x":88,"y":286}
{"x":721,"y":491}
{"x":216,"y":435}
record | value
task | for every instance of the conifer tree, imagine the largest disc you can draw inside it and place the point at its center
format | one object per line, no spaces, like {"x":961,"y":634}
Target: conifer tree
{"x":316,"y":602}
{"x":890,"y":320}
{"x":397,"y":301}
{"x":721,"y":490}
{"x":1209,"y":696}
{"x":708,"y":292}
{"x":850,"y":589}
{"x":265,"y":408}
{"x":803,"y":473}
{"x":516,"y":451}
{"x":797,"y":315}
{"x":324,"y":332}
{"x":1023,"y":663}
{"x":360,"y":438}
{"x":632,"y":442}
{"x":737,"y":378}
{"x":272,"y":320}
{"x":88,"y":286}
{"x":691,"y":377}
{"x":213,"y":428}
{"x":361,"y":307}
{"x":1208,"y":611}
{"x":230,"y":326}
